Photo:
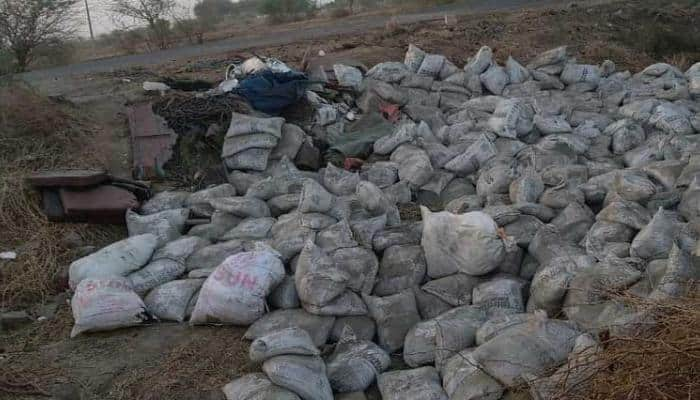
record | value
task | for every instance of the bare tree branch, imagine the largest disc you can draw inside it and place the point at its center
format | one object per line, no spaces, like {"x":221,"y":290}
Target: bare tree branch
{"x":152,"y":13}
{"x":28,"y":24}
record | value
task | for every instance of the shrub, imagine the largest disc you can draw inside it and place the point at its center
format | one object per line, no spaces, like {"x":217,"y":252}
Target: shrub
{"x":340,"y":12}
{"x":649,"y":364}
{"x":282,"y":10}
{"x":6,"y":62}
{"x":213,"y":11}
{"x":192,"y":29}
{"x":57,"y":53}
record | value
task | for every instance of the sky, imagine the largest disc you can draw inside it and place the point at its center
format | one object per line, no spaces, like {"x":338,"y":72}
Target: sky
{"x":102,"y":21}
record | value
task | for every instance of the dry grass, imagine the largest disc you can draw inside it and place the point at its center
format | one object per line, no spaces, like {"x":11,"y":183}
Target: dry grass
{"x":661,"y":363}
{"x":37,"y":134}
{"x":204,"y":364}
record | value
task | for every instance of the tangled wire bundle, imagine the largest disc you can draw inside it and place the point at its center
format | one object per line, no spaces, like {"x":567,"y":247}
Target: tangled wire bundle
{"x":182,"y":111}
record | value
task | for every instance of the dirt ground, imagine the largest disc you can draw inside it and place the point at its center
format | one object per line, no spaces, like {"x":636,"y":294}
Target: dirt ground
{"x":180,"y":362}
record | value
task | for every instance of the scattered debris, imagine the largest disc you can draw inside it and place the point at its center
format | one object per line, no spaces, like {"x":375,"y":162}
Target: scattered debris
{"x":10,"y":320}
{"x":155,"y":87}
{"x":151,"y":142}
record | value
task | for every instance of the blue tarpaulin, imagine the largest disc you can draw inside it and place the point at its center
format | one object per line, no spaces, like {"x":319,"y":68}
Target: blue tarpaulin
{"x":272,"y":92}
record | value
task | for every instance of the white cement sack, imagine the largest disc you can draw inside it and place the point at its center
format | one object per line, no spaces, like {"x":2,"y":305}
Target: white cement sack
{"x":511,"y":118}
{"x":582,"y":364}
{"x":431,"y":65}
{"x":580,"y":73}
{"x":360,"y":264}
{"x":481,"y":61}
{"x":239,"y":144}
{"x":495,"y":79}
{"x":290,"y":341}
{"x":164,"y":201}
{"x":169,"y":301}
{"x":285,"y":295}
{"x":466,"y":243}
{"x":348,"y":76}
{"x":244,"y":207}
{"x":317,"y":279}
{"x":671,"y":119}
{"x":394,"y":316}
{"x":168,"y":263}
{"x":413,"y":384}
{"x":235,"y":293}
{"x":552,"y":125}
{"x":115,"y":260}
{"x":401,"y":268}
{"x":249,"y":160}
{"x":498,"y":324}
{"x":166,"y":225}
{"x":203,"y":197}
{"x":303,"y":375}
{"x":242,"y":124}
{"x":476,"y":155}
{"x":455,"y":290}
{"x":499,"y":293}
{"x":346,"y":305}
{"x":317,"y":326}
{"x":414,"y":58}
{"x":339,"y":181}
{"x":103,"y":304}
{"x":404,"y":133}
{"x":549,"y":57}
{"x":414,"y":165}
{"x":463,"y":379}
{"x":531,"y":348}
{"x":355,"y":364}
{"x":516,"y":72}
{"x":654,"y":242}
{"x":256,"y":387}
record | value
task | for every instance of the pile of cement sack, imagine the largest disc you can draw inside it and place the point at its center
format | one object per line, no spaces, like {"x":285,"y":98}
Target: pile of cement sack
{"x":546,"y":192}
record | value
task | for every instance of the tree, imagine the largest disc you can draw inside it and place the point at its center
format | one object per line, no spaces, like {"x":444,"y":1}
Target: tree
{"x":28,"y":24}
{"x":213,"y":10}
{"x":153,"y":13}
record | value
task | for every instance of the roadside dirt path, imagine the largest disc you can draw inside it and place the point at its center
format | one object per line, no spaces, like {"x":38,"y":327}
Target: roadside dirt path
{"x":274,"y":37}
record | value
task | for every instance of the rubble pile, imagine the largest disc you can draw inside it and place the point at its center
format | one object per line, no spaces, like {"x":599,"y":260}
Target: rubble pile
{"x":546,"y":190}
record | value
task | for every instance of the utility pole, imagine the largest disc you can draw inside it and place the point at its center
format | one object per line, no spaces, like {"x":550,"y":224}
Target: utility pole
{"x":87,"y":10}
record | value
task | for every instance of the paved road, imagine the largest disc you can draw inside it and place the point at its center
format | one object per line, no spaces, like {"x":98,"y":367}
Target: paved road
{"x":349,"y":26}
